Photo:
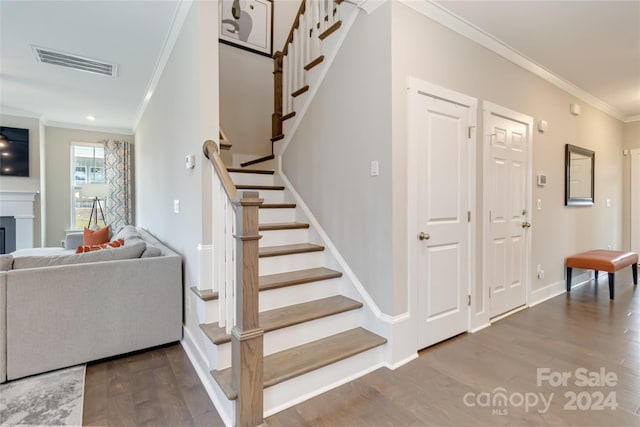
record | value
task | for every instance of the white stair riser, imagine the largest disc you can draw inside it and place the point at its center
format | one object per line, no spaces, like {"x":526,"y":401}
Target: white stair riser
{"x":303,"y":333}
{"x":219,"y":355}
{"x":297,"y":294}
{"x":283,"y":237}
{"x":268,"y":196}
{"x":251,"y":178}
{"x":283,"y":264}
{"x":303,"y":387}
{"x":207,"y":310}
{"x":292,"y":336}
{"x":269,"y":216}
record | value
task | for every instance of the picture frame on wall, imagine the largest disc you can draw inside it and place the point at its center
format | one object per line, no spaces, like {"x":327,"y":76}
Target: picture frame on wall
{"x":248,"y":25}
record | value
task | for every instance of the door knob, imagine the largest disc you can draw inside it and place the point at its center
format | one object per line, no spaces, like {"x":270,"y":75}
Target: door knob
{"x":424,"y":236}
{"x":526,"y":224}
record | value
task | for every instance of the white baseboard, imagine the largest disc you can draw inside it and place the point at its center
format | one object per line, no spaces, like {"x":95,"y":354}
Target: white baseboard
{"x":558,"y":288}
{"x":224,"y":407}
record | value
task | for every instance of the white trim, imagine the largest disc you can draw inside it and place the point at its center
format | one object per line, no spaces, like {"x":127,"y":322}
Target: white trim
{"x":121,"y":131}
{"x":182,"y":10}
{"x":195,"y":355}
{"x":413,"y":86}
{"x":392,"y":320}
{"x":319,"y":391}
{"x":479,"y":328}
{"x":508,"y":313}
{"x":394,"y":366}
{"x":489,"y":109}
{"x":443,"y":16}
{"x":368,"y":6}
{"x":630,"y":119}
{"x":546,"y":293}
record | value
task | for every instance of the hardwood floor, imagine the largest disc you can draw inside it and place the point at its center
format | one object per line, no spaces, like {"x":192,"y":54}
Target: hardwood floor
{"x":155,"y":388}
{"x":583,"y":329}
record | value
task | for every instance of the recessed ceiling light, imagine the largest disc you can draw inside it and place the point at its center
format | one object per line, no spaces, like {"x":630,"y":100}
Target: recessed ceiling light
{"x":91,"y":118}
{"x":5,"y":154}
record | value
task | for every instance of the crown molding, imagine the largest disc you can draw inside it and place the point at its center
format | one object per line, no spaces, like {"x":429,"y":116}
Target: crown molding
{"x":452,"y":21}
{"x":182,"y":10}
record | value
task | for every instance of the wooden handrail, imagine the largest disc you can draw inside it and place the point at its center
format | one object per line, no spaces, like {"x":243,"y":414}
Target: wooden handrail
{"x":296,"y":23}
{"x":212,"y":153}
{"x":246,"y":335}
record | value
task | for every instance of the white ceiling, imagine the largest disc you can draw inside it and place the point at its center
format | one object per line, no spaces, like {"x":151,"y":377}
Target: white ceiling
{"x":592,"y":45}
{"x":131,"y":34}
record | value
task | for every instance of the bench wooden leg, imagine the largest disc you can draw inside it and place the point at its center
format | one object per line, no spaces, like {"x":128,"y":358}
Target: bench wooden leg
{"x":634,"y":270}
{"x":595,"y":274}
{"x":569,"y":279}
{"x":611,"y":283}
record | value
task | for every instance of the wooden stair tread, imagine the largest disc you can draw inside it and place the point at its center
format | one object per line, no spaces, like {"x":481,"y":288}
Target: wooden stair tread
{"x":298,"y":248}
{"x":288,"y":316}
{"x":260,"y":160}
{"x":225,"y":146}
{"x":282,"y":226}
{"x":256,"y":171}
{"x":300,"y":91}
{"x":259,"y":187}
{"x":290,"y":278}
{"x":296,"y":361}
{"x":277,"y":206}
{"x":205,"y":294}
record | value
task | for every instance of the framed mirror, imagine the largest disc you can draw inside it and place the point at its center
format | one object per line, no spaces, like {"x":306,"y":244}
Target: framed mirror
{"x":579,"y":176}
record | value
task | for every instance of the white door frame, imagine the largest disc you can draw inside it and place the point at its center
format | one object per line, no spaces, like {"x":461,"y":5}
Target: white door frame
{"x":414,"y":86}
{"x":634,"y":212}
{"x":489,"y":109}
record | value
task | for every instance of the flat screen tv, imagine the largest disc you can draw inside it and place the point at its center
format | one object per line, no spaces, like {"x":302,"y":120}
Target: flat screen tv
{"x":14,"y":151}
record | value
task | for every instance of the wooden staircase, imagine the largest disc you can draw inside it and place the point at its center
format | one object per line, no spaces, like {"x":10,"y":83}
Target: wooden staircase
{"x":309,"y":325}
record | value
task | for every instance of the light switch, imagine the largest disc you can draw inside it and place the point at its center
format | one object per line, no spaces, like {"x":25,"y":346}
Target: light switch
{"x":539,"y":204}
{"x":375,"y":168}
{"x":176,"y":206}
{"x":608,"y":203}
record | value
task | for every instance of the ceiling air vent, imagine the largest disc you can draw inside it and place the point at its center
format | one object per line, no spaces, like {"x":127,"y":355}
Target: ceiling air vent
{"x":76,"y":62}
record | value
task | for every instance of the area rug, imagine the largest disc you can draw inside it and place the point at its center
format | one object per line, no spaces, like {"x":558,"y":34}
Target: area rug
{"x":52,"y":399}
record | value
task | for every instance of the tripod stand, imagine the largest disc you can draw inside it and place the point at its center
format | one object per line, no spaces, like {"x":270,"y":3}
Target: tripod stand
{"x":96,"y":206}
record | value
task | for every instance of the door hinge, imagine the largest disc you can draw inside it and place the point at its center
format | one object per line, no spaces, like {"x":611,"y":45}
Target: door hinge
{"x":470,"y":127}
{"x":468,"y":216}
{"x":469,"y":300}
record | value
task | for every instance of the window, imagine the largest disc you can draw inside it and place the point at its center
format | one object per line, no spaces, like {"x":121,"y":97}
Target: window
{"x":87,"y":167}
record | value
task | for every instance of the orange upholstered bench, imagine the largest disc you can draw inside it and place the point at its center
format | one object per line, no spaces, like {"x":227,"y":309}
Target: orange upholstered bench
{"x":603,"y":260}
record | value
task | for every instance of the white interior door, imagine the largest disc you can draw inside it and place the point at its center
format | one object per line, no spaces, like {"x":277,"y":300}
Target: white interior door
{"x":439,"y":137}
{"x":635,"y":200}
{"x":507,"y":190}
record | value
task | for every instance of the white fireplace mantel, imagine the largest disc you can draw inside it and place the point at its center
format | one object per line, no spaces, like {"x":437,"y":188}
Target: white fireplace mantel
{"x":20,"y":205}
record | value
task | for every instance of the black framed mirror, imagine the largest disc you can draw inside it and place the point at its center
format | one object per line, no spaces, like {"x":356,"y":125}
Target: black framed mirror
{"x":579,"y":176}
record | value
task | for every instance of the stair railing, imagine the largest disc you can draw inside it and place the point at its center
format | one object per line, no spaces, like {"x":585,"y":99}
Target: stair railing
{"x":235,"y":252}
{"x":316,"y":19}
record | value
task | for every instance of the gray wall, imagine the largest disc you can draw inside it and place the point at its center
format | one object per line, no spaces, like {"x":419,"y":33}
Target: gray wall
{"x":246,"y":88}
{"x":429,"y":51}
{"x":58,"y":176}
{"x":182,"y":113}
{"x":328,"y":161}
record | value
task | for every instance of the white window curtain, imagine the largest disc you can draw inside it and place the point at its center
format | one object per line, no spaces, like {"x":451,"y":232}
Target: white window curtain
{"x":118,"y":164}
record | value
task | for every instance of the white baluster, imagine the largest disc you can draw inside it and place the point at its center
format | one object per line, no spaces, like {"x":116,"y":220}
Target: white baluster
{"x":229,"y":265}
{"x":220,"y":254}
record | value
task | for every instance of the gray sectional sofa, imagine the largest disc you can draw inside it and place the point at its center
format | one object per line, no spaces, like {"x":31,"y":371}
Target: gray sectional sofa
{"x":59,"y":309}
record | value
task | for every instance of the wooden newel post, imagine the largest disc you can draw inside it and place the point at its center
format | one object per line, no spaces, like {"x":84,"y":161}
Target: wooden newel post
{"x":276,"y":118}
{"x":246,"y":335}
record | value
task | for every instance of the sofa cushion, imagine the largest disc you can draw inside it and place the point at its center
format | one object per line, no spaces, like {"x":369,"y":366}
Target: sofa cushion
{"x":114,"y":244}
{"x":130,"y":234}
{"x":151,"y":251}
{"x":95,"y":237}
{"x":6,"y":261}
{"x":124,"y":252}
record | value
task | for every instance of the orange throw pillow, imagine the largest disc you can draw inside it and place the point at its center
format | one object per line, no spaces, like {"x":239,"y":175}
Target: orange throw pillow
{"x":89,"y":248}
{"x":95,"y":237}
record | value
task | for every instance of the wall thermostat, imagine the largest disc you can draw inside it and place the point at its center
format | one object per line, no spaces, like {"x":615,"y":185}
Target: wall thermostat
{"x":190,"y":161}
{"x":542,"y":180}
{"x":543,"y":126}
